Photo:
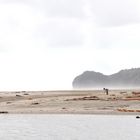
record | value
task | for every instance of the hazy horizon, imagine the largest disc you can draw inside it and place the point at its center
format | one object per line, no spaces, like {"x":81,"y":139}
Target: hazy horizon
{"x":45,"y":44}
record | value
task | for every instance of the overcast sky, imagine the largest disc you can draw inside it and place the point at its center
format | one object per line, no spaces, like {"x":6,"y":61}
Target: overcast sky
{"x":44,"y":44}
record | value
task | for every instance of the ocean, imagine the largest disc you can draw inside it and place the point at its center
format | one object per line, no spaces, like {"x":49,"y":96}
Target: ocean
{"x":68,"y":127}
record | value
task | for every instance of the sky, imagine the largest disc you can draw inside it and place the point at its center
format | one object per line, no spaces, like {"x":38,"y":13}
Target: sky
{"x":45,"y":44}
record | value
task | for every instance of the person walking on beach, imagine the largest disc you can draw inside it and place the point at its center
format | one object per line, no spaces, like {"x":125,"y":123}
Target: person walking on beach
{"x":105,"y":90}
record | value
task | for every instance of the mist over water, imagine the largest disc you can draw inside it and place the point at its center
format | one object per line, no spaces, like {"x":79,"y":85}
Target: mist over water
{"x":108,"y":87}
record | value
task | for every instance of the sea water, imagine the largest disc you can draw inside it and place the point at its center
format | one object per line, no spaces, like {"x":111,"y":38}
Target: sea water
{"x":69,"y":127}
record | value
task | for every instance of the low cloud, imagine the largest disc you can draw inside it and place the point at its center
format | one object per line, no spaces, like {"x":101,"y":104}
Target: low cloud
{"x":61,"y":33}
{"x":103,"y":12}
{"x":54,"y":8}
{"x":115,"y":12}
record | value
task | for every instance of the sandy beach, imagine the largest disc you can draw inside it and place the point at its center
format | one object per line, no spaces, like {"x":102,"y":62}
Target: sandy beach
{"x":71,"y":102}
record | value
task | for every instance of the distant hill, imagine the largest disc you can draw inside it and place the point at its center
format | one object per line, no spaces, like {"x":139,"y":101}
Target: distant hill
{"x":92,"y":79}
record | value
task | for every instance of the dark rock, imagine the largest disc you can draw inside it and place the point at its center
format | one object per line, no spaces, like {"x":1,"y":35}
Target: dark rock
{"x":18,"y":96}
{"x":26,"y":94}
{"x":35,"y":103}
{"x":3,"y":112}
{"x":8,"y":102}
{"x":63,"y":108}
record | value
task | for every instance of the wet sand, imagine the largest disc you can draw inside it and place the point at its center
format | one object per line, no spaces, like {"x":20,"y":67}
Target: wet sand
{"x":71,"y":102}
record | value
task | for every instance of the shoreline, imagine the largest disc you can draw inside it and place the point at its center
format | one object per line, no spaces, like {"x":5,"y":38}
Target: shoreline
{"x":73,"y":113}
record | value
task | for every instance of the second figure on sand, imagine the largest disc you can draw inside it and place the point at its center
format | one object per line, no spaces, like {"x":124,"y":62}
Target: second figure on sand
{"x":105,"y":90}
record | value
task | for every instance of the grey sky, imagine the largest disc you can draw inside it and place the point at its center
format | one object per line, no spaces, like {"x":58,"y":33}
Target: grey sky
{"x":44,"y":44}
{"x":115,"y":13}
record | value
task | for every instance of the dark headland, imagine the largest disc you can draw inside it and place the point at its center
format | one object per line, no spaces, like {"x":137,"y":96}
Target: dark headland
{"x":124,"y":78}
